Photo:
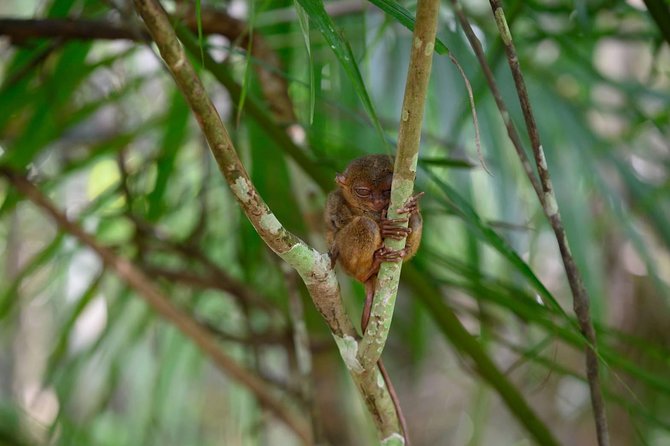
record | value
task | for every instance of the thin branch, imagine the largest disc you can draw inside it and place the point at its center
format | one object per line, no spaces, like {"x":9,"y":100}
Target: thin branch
{"x":21,"y":30}
{"x":404,"y":173}
{"x":210,"y":281}
{"x":551,"y":210}
{"x":313,"y":266}
{"x":145,"y":288}
{"x":214,"y":21}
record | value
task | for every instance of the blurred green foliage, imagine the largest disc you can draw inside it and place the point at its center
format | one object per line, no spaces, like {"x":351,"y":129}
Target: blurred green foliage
{"x":100,"y":127}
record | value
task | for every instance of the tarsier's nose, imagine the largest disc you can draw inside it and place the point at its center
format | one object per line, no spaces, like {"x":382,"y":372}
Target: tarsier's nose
{"x":379,"y":204}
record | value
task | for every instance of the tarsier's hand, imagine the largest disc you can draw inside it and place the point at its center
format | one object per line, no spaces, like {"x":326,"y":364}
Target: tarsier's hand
{"x":385,"y":254}
{"x":411,"y":206}
{"x":391,"y":228}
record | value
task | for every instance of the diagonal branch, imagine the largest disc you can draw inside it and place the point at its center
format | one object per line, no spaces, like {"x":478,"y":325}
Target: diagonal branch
{"x":550,"y":206}
{"x":313,"y":266}
{"x":145,"y":288}
{"x":404,"y":173}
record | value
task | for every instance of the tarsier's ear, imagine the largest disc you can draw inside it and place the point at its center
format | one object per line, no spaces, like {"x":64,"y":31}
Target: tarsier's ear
{"x":340,"y":179}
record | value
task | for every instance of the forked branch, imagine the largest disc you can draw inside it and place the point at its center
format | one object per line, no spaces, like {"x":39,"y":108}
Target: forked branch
{"x":314,"y":267}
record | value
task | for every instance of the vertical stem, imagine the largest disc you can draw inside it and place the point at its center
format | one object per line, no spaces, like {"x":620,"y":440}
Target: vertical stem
{"x":550,"y":206}
{"x":409,"y":137}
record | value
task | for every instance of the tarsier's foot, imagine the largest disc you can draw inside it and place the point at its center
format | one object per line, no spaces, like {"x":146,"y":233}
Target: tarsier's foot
{"x":385,"y":254}
{"x":411,"y":206}
{"x":392,"y":227}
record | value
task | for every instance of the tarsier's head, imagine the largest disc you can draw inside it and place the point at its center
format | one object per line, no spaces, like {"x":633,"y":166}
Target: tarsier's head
{"x":366,"y":182}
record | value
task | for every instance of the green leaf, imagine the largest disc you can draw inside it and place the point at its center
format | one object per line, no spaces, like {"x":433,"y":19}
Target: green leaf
{"x":340,"y":46}
{"x":198,"y":19}
{"x":11,"y":296}
{"x":173,"y":139}
{"x":303,"y":20}
{"x":456,"y":203}
{"x":405,"y":18}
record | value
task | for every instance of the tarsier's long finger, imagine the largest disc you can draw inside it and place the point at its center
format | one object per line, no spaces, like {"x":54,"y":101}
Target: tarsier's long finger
{"x":394,"y":257}
{"x":395,"y":232}
{"x":395,"y":235}
{"x":389,"y":255}
{"x":411,"y":206}
{"x":394,"y":227}
{"x":394,"y":220}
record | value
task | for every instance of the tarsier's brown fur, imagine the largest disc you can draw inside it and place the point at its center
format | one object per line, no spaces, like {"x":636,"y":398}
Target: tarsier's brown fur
{"x":357,"y":225}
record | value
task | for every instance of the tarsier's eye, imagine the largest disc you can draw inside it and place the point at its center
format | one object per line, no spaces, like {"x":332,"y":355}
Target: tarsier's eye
{"x":362,"y":191}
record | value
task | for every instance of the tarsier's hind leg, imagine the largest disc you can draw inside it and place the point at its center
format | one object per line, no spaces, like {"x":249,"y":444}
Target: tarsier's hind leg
{"x":356,"y":244}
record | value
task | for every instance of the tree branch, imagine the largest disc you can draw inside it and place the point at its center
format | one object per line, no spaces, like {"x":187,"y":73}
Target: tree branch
{"x":404,"y":173}
{"x":21,"y":30}
{"x":145,"y":288}
{"x":550,"y":206}
{"x":313,"y":267}
{"x":214,"y":21}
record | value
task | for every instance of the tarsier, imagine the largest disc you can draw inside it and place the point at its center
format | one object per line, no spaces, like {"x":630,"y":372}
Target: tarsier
{"x":357,"y":224}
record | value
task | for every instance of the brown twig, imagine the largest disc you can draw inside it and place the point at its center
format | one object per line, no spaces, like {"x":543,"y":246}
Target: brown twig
{"x":145,"y":288}
{"x":551,"y":210}
{"x":497,"y":96}
{"x":21,"y":30}
{"x":214,"y":21}
{"x":210,"y":281}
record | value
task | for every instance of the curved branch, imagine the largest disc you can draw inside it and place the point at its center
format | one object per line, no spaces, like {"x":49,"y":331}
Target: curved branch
{"x":313,"y":267}
{"x":409,"y":138}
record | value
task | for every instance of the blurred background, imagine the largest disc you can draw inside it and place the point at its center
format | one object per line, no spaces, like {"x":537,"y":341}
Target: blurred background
{"x":90,"y":114}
